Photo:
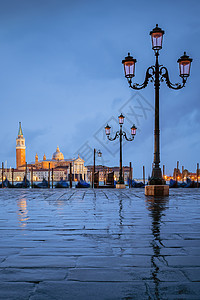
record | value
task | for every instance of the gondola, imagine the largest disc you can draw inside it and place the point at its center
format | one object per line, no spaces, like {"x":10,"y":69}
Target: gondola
{"x":62,"y":184}
{"x":135,"y":184}
{"x":6,"y":184}
{"x":190,"y":183}
{"x":82,"y":184}
{"x":173,"y":183}
{"x":24,"y":184}
{"x":41,"y":185}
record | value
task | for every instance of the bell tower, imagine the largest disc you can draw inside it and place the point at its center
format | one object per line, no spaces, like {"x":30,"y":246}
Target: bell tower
{"x":20,"y":148}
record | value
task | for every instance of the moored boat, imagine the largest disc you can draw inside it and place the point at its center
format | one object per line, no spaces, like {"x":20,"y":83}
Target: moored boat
{"x":62,"y":184}
{"x":82,"y":184}
{"x":41,"y":185}
{"x":6,"y":184}
{"x":24,"y":184}
{"x":135,"y":184}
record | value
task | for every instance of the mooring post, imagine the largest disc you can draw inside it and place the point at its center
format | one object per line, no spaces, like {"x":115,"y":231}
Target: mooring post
{"x":163,"y":171}
{"x":49,"y":177}
{"x":177,"y":168}
{"x":130,"y":175}
{"x":70,"y":175}
{"x":182,"y":173}
{"x":12,"y":176}
{"x":104,"y":182}
{"x":32,"y":177}
{"x":2,"y":171}
{"x":52,"y":177}
{"x":26,"y":176}
{"x":144,"y":174}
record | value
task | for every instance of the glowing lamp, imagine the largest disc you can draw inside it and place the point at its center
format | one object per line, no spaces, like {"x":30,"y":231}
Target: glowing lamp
{"x":157,"y":37}
{"x":133,"y":129}
{"x":99,"y":153}
{"x":121,"y":119}
{"x":107,"y":129}
{"x":184,"y":65}
{"x":129,"y":66}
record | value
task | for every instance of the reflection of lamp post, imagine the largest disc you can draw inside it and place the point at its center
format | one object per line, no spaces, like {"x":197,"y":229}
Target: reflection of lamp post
{"x":157,"y":73}
{"x":120,"y":134}
{"x":99,"y":153}
{"x":156,"y":206}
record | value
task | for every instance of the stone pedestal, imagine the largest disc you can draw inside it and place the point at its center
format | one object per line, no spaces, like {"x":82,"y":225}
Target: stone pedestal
{"x":157,"y":190}
{"x":120,"y":186}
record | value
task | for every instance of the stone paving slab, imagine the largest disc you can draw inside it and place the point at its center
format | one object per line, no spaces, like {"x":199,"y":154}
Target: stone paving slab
{"x":99,"y":244}
{"x":33,"y":275}
{"x":16,"y":290}
{"x":88,"y":291}
{"x":36,"y":261}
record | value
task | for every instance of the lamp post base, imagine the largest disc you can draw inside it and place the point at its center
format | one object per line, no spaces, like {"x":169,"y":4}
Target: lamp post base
{"x":156,"y":190}
{"x":156,"y":178}
{"x":156,"y":172}
{"x":120,"y":186}
{"x":156,"y":181}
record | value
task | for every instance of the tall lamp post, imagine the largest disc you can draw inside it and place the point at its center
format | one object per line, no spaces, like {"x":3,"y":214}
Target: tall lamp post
{"x":99,"y":153}
{"x":157,"y":73}
{"x":120,"y":134}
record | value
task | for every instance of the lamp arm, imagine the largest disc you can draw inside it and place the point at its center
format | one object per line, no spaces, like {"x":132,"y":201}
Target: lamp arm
{"x":165,"y":76}
{"x":149,"y":74}
{"x":112,"y":139}
{"x":128,"y":139}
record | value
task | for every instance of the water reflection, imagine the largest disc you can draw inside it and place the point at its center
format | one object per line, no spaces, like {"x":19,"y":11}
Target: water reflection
{"x":60,"y":203}
{"x":156,"y":206}
{"x":120,"y":223}
{"x":120,"y":213}
{"x":22,"y":212}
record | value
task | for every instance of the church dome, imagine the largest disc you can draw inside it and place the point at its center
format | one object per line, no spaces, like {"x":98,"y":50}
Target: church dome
{"x":58,"y":155}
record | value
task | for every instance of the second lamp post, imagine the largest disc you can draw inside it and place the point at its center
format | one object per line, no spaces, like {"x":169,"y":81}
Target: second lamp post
{"x":99,"y":155}
{"x":121,"y":134}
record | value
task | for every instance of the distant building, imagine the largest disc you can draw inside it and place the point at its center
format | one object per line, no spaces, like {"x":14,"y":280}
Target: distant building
{"x":40,"y":167}
{"x":104,"y":170}
{"x":38,"y":174}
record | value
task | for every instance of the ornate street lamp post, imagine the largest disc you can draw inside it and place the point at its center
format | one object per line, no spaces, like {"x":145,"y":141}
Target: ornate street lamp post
{"x":99,"y":153}
{"x":121,"y":134}
{"x":157,"y":73}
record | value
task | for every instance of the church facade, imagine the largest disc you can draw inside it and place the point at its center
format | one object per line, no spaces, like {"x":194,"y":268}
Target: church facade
{"x":57,"y":161}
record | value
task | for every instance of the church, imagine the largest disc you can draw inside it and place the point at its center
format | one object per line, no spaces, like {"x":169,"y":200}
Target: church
{"x":79,"y":171}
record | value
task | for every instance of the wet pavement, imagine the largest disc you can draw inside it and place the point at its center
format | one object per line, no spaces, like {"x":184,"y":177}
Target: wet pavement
{"x":99,"y":244}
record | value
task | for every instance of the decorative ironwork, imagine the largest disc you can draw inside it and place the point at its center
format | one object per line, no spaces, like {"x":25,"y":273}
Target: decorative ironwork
{"x":157,"y":74}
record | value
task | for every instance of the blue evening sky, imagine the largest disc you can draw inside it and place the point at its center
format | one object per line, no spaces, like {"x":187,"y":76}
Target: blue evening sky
{"x":61,"y":76}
